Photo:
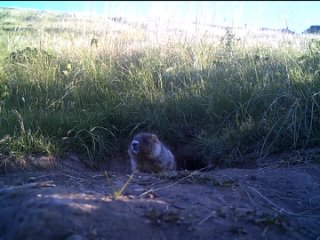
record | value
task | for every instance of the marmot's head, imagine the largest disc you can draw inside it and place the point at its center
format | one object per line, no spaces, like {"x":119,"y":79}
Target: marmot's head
{"x":146,"y":144}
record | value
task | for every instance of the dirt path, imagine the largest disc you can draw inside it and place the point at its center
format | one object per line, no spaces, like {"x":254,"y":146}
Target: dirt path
{"x":75,"y":203}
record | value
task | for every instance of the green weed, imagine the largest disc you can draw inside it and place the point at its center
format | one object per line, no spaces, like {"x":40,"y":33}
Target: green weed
{"x":78,"y":86}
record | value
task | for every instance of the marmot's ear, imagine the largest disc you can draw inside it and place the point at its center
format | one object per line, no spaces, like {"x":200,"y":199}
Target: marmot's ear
{"x":154,"y":138}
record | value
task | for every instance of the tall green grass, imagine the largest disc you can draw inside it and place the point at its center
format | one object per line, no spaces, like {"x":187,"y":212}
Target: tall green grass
{"x":226,"y":95}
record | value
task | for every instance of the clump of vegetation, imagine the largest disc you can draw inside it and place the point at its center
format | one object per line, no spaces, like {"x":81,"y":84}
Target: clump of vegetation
{"x":29,"y":54}
{"x":229,"y":96}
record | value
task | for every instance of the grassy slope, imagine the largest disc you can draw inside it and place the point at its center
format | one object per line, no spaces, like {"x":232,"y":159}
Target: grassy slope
{"x":228,"y":96}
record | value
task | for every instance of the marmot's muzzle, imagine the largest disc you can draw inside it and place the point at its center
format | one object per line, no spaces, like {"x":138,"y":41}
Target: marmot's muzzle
{"x":135,"y":146}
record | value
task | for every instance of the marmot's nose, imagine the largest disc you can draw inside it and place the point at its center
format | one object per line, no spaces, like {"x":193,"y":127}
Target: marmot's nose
{"x":135,"y":145}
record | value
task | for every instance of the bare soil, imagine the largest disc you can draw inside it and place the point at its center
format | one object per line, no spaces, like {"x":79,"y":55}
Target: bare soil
{"x":67,"y":200}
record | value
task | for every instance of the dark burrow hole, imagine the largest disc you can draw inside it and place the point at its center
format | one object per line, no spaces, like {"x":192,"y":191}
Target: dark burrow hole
{"x":189,"y":158}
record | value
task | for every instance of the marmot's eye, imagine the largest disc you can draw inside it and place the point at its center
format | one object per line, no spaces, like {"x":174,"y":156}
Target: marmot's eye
{"x":145,"y":140}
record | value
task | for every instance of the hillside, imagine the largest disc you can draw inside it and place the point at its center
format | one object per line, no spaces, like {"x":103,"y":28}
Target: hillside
{"x":240,"y":110}
{"x":85,"y":85}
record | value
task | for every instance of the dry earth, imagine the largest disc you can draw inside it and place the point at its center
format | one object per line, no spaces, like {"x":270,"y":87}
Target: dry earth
{"x":66,"y":200}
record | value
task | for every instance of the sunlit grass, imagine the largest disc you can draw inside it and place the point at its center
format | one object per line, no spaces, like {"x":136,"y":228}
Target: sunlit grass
{"x":227,"y":92}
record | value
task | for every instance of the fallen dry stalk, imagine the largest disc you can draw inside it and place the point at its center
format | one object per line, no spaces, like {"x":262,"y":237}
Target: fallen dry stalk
{"x":173,"y":184}
{"x":29,"y":185}
{"x":282,"y":210}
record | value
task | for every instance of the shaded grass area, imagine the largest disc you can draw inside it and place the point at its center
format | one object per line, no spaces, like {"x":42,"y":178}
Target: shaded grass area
{"x":228,"y":98}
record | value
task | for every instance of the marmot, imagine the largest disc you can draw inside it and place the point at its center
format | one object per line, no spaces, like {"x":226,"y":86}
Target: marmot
{"x":148,"y":154}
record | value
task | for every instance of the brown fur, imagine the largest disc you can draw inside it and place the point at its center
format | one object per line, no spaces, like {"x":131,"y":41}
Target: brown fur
{"x":148,"y":154}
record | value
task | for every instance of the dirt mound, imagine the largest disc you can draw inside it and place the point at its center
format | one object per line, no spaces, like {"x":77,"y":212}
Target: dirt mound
{"x":72,"y":202}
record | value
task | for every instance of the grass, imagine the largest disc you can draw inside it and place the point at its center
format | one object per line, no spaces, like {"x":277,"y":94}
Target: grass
{"x":228,"y":95}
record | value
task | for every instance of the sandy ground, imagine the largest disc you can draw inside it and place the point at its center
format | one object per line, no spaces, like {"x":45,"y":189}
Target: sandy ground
{"x":70,"y":201}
